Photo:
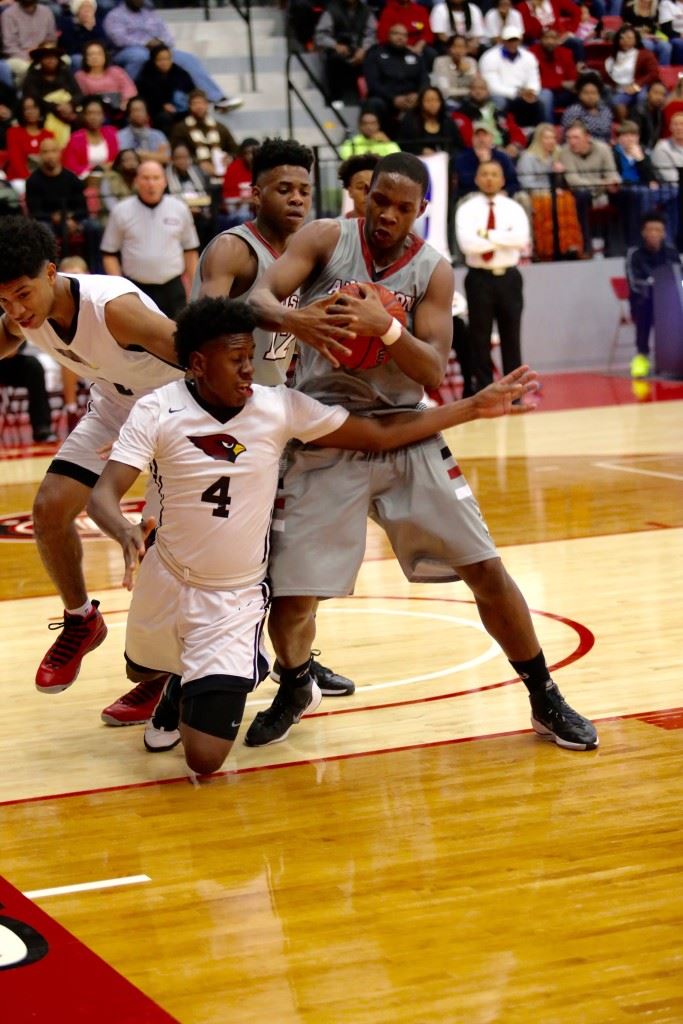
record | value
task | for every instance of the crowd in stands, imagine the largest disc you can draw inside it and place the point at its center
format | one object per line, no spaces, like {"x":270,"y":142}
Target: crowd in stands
{"x":89,"y":89}
{"x":581,"y":101}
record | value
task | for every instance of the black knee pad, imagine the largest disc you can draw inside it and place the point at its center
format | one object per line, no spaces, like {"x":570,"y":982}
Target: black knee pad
{"x":140,"y":674}
{"x":215,"y":712}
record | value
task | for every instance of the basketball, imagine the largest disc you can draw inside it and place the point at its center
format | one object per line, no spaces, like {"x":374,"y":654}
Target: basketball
{"x":367,"y":353}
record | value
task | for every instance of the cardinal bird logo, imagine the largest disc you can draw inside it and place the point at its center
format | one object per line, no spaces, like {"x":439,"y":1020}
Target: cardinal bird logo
{"x":223,"y":447}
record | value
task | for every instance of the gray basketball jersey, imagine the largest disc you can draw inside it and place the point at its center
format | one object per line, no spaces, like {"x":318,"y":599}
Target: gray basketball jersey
{"x":386,"y":387}
{"x":273,"y":352}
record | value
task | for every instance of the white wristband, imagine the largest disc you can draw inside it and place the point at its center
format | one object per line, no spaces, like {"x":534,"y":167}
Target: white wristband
{"x":393,"y":333}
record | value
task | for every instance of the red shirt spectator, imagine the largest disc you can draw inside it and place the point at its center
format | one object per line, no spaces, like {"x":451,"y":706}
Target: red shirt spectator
{"x":413,"y":16}
{"x":556,"y":66}
{"x":536,"y":16}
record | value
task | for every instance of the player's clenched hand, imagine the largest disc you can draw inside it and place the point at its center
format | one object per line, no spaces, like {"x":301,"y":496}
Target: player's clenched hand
{"x":132,"y":542}
{"x":370,"y":316}
{"x":497,"y":398}
{"x":326,"y":334}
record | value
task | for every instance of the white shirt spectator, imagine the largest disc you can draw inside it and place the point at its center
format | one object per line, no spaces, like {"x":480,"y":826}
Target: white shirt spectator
{"x":506,"y":77}
{"x":493,"y":23}
{"x":672,"y":11}
{"x":440,"y":23}
{"x":152,"y":240}
{"x":507,"y":240}
{"x":667,"y":157}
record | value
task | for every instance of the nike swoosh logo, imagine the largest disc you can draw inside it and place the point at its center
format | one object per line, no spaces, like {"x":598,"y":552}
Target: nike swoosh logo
{"x":177,"y":410}
{"x":236,"y":725}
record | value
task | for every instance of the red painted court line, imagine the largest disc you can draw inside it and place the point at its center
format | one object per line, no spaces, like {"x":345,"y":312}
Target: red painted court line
{"x":47,"y":976}
{"x":642,"y":715}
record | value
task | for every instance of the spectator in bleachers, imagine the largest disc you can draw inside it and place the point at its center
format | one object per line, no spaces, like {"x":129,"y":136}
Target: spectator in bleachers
{"x":428,"y":128}
{"x":355,"y":174}
{"x":346,"y":31}
{"x":590,"y":108}
{"x":9,"y":104}
{"x":369,"y":139}
{"x":55,"y":196}
{"x":23,"y":141}
{"x":133,"y":27}
{"x":643,"y":15}
{"x":589,"y":26}
{"x":415,"y":18}
{"x":187,"y":182}
{"x":119,"y":182}
{"x":503,"y":15}
{"x":562,"y":15}
{"x":633,"y":163}
{"x":667,"y":156}
{"x":479,"y":107}
{"x":395,"y":77}
{"x":94,"y":146}
{"x":590,"y":171}
{"x":23,"y":370}
{"x":649,"y":115}
{"x":79,"y":24}
{"x":165,"y":88}
{"x":673,"y":105}
{"x":458,"y":17}
{"x":482,"y":151}
{"x":149,"y":143}
{"x":558,"y":72}
{"x":50,"y":79}
{"x":237,"y":193}
{"x":99,"y":77}
{"x":536,"y":167}
{"x":26,"y":24}
{"x":455,"y":71}
{"x":210,"y":142}
{"x":671,"y":24}
{"x":511,"y":73}
{"x":302,"y":17}
{"x":629,"y":69}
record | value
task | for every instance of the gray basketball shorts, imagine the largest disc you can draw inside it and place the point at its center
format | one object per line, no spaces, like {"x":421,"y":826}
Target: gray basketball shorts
{"x":418,"y":496}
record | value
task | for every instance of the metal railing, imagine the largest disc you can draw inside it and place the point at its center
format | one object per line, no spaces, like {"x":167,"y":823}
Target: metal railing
{"x":293,"y":90}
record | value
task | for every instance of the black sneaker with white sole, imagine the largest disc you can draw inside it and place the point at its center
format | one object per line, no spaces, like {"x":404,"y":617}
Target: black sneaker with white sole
{"x":331,"y":684}
{"x":553,"y":719}
{"x":288,"y":708}
{"x":161,"y":731}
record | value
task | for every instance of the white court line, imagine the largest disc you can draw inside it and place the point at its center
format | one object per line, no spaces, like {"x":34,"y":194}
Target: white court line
{"x":105,"y":883}
{"x":638,"y":472}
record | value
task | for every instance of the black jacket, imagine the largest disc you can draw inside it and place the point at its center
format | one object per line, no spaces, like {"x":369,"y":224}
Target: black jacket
{"x":390,"y":72}
{"x":62,"y":193}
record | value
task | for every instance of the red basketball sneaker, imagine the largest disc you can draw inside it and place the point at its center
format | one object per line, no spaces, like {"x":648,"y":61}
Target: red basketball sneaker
{"x":136,"y":706}
{"x":62,"y":663}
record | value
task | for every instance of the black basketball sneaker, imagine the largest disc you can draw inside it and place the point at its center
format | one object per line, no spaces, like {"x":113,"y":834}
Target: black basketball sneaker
{"x":553,"y":719}
{"x":331,"y":684}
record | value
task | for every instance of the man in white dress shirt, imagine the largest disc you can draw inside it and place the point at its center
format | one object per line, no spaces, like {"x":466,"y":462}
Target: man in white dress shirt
{"x":513,"y":77}
{"x":492,"y":232}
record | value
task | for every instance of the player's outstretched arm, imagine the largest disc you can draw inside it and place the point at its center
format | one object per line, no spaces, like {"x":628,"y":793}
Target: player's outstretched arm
{"x":381,"y":433}
{"x":308,"y":251}
{"x":133,"y":323}
{"x":105,"y":509}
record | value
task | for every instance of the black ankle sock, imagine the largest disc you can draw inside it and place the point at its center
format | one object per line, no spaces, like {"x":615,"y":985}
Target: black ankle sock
{"x":291,"y":678}
{"x":534,"y":673}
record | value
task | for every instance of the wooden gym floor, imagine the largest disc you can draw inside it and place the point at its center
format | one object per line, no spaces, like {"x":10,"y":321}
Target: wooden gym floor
{"x":413,"y":853}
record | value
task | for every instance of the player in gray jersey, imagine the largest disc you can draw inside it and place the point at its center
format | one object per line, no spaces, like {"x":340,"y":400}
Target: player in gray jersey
{"x":418,"y":494}
{"x":108,"y":331}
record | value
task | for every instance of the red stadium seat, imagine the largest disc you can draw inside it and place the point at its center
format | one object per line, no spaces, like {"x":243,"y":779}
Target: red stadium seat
{"x":620,"y":289}
{"x":669,"y":75}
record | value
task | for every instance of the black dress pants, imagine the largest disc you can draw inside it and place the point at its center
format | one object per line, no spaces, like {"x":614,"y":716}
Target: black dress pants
{"x":494,"y":297}
{"x":23,"y":370}
{"x":170,"y":297}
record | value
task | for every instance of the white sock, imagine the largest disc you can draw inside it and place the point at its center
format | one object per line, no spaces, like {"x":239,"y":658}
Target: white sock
{"x":84,"y":610}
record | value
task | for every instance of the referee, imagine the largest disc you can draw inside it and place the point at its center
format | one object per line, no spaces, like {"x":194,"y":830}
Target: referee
{"x":151,"y":239}
{"x":492,"y":231}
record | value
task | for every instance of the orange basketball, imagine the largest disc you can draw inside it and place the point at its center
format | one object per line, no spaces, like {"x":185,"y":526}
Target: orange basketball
{"x":367,"y":353}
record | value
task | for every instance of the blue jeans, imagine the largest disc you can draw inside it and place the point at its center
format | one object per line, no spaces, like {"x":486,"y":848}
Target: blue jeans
{"x":661,"y":49}
{"x":6,"y":75}
{"x":131,"y":59}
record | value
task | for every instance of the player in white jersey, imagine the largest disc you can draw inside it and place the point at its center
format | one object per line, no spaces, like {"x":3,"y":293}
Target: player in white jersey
{"x":108,"y":331}
{"x":216,"y":440}
{"x":442,"y":536}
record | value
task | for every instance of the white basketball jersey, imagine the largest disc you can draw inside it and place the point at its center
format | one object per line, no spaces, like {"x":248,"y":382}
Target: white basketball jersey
{"x":217,"y":481}
{"x":93,"y":353}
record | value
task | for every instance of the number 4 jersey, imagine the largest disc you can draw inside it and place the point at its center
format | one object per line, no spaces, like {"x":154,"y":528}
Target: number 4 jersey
{"x":217,"y":481}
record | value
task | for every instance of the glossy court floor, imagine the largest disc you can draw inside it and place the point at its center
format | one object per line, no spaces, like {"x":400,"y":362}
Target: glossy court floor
{"x":413,"y":853}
